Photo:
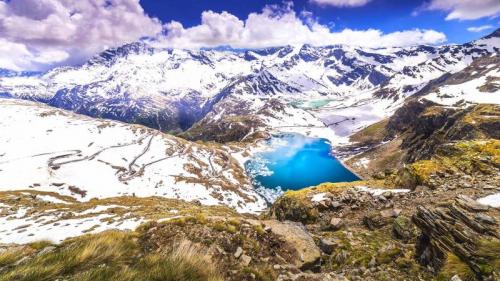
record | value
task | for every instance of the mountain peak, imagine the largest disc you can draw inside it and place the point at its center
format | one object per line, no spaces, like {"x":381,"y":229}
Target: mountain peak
{"x":494,"y":34}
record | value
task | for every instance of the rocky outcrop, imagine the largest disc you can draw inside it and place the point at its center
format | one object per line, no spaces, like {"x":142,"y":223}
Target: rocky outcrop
{"x":452,"y":161}
{"x":295,"y":234}
{"x":294,"y":209}
{"x":463,"y":229}
{"x":227,"y":129}
{"x":424,"y":126}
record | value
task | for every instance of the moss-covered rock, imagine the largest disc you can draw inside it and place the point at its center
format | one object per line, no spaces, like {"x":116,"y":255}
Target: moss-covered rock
{"x":403,"y":228}
{"x":299,"y":206}
{"x":294,"y":209}
{"x":468,"y":157}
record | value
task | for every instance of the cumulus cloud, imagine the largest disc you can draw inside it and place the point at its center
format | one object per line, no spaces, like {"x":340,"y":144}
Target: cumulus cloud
{"x":280,"y":25}
{"x":39,"y":34}
{"x":479,"y":28}
{"x":47,"y":32}
{"x":340,"y":3}
{"x":16,"y":56}
{"x":465,"y":9}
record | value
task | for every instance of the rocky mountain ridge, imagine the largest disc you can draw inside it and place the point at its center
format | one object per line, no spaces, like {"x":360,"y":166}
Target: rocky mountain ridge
{"x":141,"y":84}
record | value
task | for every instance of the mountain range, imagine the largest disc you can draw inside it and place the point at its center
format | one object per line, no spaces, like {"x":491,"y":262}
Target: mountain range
{"x":182,"y":90}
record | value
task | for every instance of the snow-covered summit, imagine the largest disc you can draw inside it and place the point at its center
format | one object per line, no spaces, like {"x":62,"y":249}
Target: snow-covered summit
{"x":172,"y":89}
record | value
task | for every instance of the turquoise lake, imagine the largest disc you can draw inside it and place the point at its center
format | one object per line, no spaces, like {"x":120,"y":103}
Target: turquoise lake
{"x":294,"y":162}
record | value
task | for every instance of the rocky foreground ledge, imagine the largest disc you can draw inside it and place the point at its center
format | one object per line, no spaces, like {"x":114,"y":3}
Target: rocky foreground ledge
{"x":437,"y":219}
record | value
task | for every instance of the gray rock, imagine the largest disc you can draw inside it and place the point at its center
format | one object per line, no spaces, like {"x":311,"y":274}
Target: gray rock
{"x":324,"y":204}
{"x":296,"y":236}
{"x":485,"y":218}
{"x":392,"y":213}
{"x":327,"y":246}
{"x":238,"y":253}
{"x":46,"y":250}
{"x":245,"y":260}
{"x":470,"y":204}
{"x":403,"y":228}
{"x":372,"y":263}
{"x":336,"y":224}
{"x":388,"y":194}
{"x":455,"y":278}
{"x":335,"y":205}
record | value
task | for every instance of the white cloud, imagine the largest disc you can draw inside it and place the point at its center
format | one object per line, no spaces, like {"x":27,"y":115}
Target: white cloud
{"x":340,"y":3}
{"x":479,"y":28}
{"x":278,"y":26}
{"x":39,"y":34}
{"x":465,"y":9}
{"x":46,"y":32}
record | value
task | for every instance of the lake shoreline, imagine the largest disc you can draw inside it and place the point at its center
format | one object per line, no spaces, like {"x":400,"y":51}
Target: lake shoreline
{"x":294,"y":161}
{"x":349,"y":168}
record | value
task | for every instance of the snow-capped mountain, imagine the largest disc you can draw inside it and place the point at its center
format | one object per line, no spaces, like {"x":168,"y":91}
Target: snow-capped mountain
{"x":174,"y":89}
{"x":479,"y":83}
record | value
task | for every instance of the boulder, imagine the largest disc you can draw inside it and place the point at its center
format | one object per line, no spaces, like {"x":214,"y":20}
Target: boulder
{"x":297,"y":237}
{"x":294,"y":209}
{"x":390,"y":213}
{"x":376,"y":220}
{"x":336,"y":205}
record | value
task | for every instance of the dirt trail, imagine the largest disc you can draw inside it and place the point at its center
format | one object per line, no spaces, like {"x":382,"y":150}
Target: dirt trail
{"x":131,"y":172}
{"x":51,"y":162}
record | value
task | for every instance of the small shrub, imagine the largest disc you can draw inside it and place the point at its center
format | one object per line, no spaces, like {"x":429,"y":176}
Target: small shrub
{"x":10,"y":256}
{"x":259,"y":229}
{"x":39,"y":245}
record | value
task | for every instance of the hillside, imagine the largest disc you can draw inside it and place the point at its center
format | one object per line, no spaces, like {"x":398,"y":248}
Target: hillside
{"x":462,"y":106}
{"x":74,"y":155}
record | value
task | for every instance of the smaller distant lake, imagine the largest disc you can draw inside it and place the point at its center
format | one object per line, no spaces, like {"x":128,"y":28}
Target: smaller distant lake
{"x":311,"y":104}
{"x":295,"y":162}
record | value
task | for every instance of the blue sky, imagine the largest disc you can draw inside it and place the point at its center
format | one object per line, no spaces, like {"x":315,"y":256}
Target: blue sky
{"x":386,"y":15}
{"x":42,"y":34}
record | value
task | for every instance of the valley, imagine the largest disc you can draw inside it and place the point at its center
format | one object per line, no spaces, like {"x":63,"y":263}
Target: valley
{"x":290,"y":163}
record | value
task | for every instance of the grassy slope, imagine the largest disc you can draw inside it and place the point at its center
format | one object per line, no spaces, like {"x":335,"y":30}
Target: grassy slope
{"x":111,"y":255}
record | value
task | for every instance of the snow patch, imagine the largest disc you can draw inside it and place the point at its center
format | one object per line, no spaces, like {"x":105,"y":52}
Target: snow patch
{"x":492,"y":200}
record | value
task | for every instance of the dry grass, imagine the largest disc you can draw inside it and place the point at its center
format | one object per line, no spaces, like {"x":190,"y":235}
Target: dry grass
{"x":374,"y":133}
{"x":11,"y":256}
{"x":149,"y":208}
{"x":332,"y":187}
{"x":111,"y":255}
{"x":489,"y":250}
{"x":455,"y":266}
